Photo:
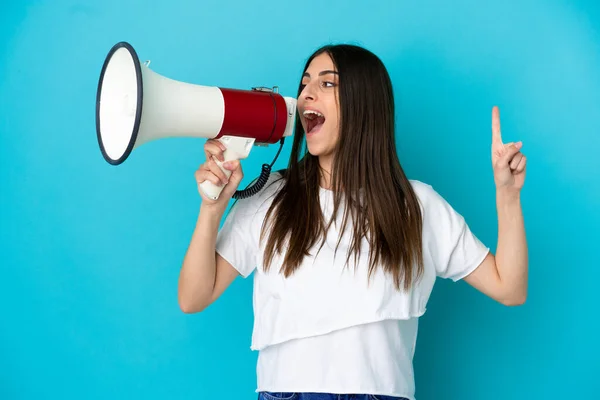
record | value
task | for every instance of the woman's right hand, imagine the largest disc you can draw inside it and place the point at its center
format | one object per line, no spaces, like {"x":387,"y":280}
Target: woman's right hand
{"x":213,"y":149}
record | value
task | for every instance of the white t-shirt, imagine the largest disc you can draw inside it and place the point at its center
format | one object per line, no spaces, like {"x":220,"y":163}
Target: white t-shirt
{"x":327,"y":328}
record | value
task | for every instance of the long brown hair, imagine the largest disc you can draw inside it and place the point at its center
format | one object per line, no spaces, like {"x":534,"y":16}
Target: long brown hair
{"x":366,"y":176}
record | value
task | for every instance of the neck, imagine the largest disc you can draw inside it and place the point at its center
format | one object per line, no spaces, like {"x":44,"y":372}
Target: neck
{"x":325,"y":163}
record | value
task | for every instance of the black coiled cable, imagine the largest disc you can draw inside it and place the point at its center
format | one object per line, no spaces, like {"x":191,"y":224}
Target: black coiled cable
{"x":262,"y":179}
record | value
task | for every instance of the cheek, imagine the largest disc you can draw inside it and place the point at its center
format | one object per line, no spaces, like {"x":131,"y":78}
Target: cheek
{"x":334,"y":125}
{"x":333,"y":113}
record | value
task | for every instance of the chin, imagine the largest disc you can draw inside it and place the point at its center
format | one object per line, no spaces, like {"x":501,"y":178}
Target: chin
{"x":320,"y":144}
{"x":314,"y":150}
{"x":318,"y":151}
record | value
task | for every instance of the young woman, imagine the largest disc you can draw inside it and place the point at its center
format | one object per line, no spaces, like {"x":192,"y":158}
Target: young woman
{"x":344,"y":247}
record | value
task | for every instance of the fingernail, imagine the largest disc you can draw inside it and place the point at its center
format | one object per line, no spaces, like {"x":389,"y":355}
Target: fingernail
{"x":227,"y":164}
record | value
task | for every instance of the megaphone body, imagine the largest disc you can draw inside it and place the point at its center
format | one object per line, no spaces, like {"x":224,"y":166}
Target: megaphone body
{"x":135,"y":105}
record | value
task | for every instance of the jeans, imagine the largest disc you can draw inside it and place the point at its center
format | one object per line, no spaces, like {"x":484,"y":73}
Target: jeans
{"x":323,"y":396}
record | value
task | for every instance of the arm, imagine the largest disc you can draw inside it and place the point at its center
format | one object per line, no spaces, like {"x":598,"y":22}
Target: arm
{"x":504,"y":277}
{"x":204,"y":275}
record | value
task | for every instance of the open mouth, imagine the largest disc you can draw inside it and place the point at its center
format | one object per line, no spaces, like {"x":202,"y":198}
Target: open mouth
{"x":314,"y":121}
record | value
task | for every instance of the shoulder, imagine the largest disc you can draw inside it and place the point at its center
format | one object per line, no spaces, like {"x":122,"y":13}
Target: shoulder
{"x":433,"y":204}
{"x":425,"y":192}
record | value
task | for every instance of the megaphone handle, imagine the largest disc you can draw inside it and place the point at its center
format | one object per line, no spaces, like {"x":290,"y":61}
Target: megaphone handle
{"x":237,"y":148}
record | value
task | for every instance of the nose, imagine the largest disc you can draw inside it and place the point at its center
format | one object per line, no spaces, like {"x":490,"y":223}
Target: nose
{"x":309,"y":92}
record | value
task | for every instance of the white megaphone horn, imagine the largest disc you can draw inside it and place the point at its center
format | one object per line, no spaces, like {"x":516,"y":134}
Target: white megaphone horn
{"x":135,"y":105}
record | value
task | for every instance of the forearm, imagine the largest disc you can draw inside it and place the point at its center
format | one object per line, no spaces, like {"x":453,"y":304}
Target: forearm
{"x":197,"y":276}
{"x":511,"y":252}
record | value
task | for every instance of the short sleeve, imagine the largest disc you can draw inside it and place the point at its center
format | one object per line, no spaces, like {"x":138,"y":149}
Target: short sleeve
{"x":453,"y":248}
{"x":237,"y":241}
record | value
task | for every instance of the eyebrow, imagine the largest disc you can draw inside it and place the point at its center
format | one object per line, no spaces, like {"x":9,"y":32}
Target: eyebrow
{"x":327,"y":71}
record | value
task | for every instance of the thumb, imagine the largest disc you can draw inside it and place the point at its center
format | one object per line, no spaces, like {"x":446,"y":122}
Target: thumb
{"x":509,"y":152}
{"x":236,"y":170}
{"x":236,"y":175}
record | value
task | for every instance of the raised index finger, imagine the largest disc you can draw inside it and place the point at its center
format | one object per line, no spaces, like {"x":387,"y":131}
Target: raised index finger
{"x":496,"y":134}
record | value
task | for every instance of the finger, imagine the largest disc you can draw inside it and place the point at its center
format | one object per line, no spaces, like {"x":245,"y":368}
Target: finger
{"x":522,"y":164}
{"x":496,"y":134}
{"x":236,"y":177}
{"x":500,"y":151}
{"x":236,"y":170}
{"x":516,"y":160}
{"x":509,"y":154}
{"x":215,"y":169}
{"x":203,"y":175}
{"x":214,"y":148}
{"x":216,"y":142}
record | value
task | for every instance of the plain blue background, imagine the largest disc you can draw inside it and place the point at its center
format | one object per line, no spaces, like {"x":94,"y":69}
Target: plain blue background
{"x":90,"y":253}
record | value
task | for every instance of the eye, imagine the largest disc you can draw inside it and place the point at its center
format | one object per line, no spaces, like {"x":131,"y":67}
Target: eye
{"x":328,"y":84}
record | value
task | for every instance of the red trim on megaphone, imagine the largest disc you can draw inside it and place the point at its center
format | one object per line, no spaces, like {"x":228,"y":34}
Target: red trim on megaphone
{"x":254,"y":114}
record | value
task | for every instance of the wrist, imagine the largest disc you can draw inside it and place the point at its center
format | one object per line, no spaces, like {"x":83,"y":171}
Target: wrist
{"x":508,"y":194}
{"x":211,"y":212}
{"x":508,"y":204}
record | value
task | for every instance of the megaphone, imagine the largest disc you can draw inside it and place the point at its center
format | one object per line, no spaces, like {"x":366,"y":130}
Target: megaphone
{"x":135,"y":105}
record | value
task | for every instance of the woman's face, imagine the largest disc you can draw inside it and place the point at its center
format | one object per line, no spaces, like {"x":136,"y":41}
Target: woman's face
{"x":318,"y":106}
